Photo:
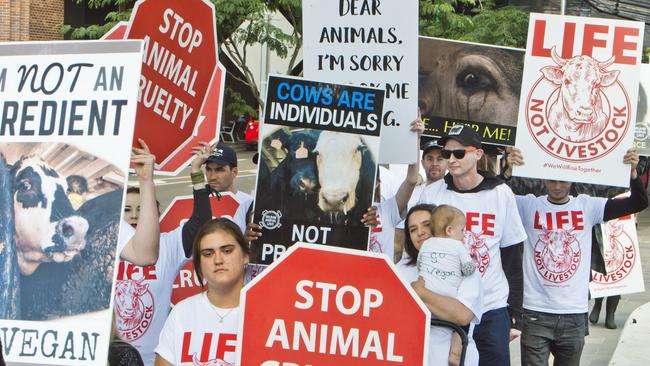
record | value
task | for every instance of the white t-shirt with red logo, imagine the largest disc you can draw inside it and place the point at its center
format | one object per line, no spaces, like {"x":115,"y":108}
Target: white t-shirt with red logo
{"x":557,"y":253}
{"x":492,"y":222}
{"x":470,"y":294}
{"x":142,"y":295}
{"x":382,"y":237}
{"x":194,"y":335}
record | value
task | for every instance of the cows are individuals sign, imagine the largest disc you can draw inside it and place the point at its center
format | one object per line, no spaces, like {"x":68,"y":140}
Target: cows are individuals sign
{"x":318,"y":159}
{"x":579,"y":98}
{"x":331,"y":306}
{"x":179,"y":72}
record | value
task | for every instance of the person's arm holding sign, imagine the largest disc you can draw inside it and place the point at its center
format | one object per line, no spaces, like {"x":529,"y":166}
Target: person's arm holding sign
{"x":638,"y":199}
{"x":142,"y":248}
{"x":614,"y":208}
{"x":412,"y":175}
{"x":201,"y":211}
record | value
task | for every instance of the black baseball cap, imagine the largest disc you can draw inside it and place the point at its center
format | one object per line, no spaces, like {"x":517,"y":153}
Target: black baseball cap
{"x":428,"y":145}
{"x":223,"y":155}
{"x":464,"y":134}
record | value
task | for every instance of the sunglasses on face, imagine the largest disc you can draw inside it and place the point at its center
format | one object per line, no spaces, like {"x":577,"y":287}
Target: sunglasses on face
{"x":458,"y":153}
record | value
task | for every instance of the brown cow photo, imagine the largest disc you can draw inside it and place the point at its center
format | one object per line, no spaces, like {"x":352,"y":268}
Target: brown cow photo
{"x":470,"y":83}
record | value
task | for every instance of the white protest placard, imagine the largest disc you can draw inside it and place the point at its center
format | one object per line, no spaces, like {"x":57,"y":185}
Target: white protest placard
{"x":579,"y":98}
{"x":67,"y":114}
{"x":642,"y":130}
{"x":366,"y":43}
{"x":622,"y":260}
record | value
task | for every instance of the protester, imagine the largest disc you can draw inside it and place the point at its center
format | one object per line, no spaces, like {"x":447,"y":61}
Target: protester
{"x":443,"y":261}
{"x":146,"y":276}
{"x":557,"y":263}
{"x":610,"y":310}
{"x":391,"y":210}
{"x":220,"y":173}
{"x":463,"y":309}
{"x":493,"y":229}
{"x":435,"y":168}
{"x":221,"y":255}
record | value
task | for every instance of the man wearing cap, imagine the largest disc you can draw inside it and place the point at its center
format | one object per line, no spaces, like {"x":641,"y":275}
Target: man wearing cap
{"x":220,"y":173}
{"x":433,"y":163}
{"x":434,"y":169}
{"x":492,"y":225}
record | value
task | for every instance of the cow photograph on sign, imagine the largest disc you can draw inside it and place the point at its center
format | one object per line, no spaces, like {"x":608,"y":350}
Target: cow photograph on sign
{"x":470,"y":83}
{"x":306,"y":175}
{"x":61,"y":252}
{"x":319,"y":154}
{"x":68,"y":112}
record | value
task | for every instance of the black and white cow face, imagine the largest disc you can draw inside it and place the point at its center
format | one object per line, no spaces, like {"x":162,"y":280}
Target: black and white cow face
{"x":47,"y":227}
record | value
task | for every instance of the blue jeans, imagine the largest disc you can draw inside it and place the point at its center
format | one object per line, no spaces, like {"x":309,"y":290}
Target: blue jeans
{"x":492,"y":338}
{"x":563,"y":335}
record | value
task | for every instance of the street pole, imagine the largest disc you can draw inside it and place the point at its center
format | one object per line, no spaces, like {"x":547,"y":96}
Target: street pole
{"x":562,"y":7}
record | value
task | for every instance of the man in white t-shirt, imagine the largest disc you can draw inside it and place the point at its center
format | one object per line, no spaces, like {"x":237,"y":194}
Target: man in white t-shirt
{"x":557,"y":263}
{"x":391,"y":209}
{"x":434,"y":168}
{"x":492,"y":226}
{"x":220,"y":173}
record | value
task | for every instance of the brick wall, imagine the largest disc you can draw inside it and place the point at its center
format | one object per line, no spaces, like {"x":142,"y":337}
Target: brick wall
{"x":24,"y":20}
{"x":45,"y":18}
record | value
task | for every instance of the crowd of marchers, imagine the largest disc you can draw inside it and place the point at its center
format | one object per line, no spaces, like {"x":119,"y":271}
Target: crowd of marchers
{"x":496,"y":263}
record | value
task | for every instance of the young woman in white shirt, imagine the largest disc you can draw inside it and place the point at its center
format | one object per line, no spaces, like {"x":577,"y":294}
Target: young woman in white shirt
{"x":463,"y":310}
{"x":203,"y":328}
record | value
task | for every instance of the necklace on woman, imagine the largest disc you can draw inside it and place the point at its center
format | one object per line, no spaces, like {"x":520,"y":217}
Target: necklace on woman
{"x":214,"y":308}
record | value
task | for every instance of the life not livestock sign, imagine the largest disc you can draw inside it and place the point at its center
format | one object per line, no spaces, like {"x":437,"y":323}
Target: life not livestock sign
{"x":178,"y":68}
{"x":578,"y":100}
{"x":331,"y":306}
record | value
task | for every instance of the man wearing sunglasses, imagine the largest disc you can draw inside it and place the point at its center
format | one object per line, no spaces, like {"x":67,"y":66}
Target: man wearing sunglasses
{"x":493,"y":228}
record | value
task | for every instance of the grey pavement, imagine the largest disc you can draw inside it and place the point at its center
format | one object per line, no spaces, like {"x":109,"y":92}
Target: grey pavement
{"x":601,"y":343}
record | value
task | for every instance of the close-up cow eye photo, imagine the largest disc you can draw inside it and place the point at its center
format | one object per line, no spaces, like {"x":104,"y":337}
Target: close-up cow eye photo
{"x":468,"y":82}
{"x":24,"y":185}
{"x":475,"y":79}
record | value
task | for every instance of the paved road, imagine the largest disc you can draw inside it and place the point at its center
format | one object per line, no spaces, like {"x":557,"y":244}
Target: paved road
{"x":601,"y":342}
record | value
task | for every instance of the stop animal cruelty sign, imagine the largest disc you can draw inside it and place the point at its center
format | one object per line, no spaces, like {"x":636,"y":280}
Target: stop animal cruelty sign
{"x":331,"y":306}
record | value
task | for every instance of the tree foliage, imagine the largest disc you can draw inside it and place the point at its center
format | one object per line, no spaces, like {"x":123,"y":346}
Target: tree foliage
{"x":242,"y":24}
{"x":245,"y":23}
{"x":474,"y":21}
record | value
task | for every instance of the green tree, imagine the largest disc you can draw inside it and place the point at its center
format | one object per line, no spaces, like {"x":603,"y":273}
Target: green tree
{"x":240,"y":25}
{"x":474,"y":21}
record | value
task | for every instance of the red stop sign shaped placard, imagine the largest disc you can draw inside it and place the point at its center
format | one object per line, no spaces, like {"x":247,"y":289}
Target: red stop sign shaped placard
{"x":319,"y":305}
{"x":186,"y":284}
{"x":179,"y":62}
